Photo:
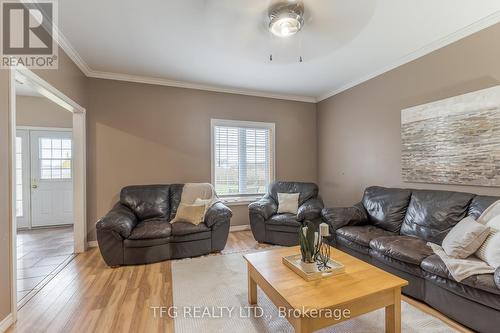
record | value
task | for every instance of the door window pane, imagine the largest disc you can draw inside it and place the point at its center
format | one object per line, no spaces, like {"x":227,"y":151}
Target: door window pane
{"x":46,"y":153}
{"x":55,"y":158}
{"x":46,"y":174}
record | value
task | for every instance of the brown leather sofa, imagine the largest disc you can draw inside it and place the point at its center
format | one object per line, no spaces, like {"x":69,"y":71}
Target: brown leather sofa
{"x":137,"y":230}
{"x":283,"y":229}
{"x":390,"y":228}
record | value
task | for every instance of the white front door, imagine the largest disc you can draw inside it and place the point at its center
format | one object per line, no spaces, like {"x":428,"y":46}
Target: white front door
{"x":51,"y":178}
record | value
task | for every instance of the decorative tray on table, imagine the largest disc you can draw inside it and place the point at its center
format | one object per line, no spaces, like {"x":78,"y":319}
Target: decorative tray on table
{"x":294,"y":262}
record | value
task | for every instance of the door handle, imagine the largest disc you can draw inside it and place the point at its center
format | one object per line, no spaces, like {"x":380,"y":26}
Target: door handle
{"x":34,"y":186}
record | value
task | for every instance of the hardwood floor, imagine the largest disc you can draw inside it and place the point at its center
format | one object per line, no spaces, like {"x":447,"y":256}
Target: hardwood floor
{"x":88,"y":296}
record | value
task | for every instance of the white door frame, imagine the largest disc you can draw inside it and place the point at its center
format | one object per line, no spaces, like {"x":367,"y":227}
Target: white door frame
{"x":79,"y":165}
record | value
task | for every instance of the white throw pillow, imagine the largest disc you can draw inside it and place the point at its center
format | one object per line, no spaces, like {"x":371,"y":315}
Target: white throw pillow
{"x":288,"y":203}
{"x":490,"y":250}
{"x":489,"y":213}
{"x":465,"y":238}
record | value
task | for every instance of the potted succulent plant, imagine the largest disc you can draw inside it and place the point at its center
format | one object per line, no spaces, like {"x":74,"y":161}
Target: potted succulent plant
{"x":308,"y":240}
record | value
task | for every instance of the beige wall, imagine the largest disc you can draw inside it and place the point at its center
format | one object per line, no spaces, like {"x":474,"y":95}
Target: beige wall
{"x":41,"y":112}
{"x":144,"y":134}
{"x":71,"y":82}
{"x":359,"y":140}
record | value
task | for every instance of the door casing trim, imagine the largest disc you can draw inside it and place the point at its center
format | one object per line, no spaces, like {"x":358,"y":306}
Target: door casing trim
{"x":79,"y":165}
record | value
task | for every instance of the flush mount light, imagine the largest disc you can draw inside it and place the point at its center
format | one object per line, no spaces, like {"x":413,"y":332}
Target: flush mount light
{"x":286,"y":19}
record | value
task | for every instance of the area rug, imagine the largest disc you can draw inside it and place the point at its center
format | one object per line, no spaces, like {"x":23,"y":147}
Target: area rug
{"x":210,"y":295}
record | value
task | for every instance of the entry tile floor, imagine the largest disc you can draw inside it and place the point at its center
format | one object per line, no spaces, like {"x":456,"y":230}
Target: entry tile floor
{"x":41,"y":253}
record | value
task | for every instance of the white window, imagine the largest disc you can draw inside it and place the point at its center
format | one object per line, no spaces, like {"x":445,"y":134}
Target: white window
{"x":19,"y":177}
{"x":55,"y":158}
{"x":242,"y":157}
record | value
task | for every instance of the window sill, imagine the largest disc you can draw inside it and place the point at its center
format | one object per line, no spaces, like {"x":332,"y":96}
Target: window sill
{"x":239,"y":201}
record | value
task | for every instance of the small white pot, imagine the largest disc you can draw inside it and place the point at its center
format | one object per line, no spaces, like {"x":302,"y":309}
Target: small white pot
{"x":308,"y":266}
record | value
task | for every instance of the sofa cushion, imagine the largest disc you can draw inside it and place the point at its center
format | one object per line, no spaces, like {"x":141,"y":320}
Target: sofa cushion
{"x":386,"y":207}
{"x":362,"y":235}
{"x":378,"y":257}
{"x":138,"y":243}
{"x":408,"y":249}
{"x":350,"y":245}
{"x":434,"y":266}
{"x":191,"y":237}
{"x":284,"y":219}
{"x":476,"y":295}
{"x":185,"y":228}
{"x":431,"y":214}
{"x":146,"y":201}
{"x":284,"y":223}
{"x":307,"y":190}
{"x":479,"y":204}
{"x":151,"y":229}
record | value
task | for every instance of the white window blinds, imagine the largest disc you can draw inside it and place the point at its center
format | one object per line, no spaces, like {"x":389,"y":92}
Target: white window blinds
{"x":242,"y":157}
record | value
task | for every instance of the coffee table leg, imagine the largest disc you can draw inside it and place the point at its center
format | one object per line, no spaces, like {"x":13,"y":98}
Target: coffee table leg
{"x":393,"y":314}
{"x":302,"y":326}
{"x":252,"y":289}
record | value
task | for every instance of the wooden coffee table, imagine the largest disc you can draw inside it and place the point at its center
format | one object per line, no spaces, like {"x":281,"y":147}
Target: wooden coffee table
{"x":310,"y":306}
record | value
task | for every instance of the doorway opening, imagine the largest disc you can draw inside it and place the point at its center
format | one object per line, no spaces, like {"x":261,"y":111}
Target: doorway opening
{"x":44,"y":186}
{"x":48,"y":183}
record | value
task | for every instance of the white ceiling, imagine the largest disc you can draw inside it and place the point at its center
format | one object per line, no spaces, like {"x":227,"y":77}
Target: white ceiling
{"x":224,"y":45}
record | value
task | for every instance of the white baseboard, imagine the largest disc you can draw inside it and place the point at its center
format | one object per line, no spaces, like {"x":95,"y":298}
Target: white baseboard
{"x":6,"y":322}
{"x":239,"y":228}
{"x":92,"y":243}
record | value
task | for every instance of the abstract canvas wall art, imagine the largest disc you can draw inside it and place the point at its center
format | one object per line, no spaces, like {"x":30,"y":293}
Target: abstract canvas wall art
{"x":453,"y":141}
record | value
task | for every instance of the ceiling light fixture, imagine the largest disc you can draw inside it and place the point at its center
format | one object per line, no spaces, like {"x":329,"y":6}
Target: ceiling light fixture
{"x":286,"y":19}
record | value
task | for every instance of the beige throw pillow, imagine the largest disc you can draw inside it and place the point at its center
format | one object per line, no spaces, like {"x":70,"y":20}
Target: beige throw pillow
{"x":465,"y":238}
{"x":288,"y":203}
{"x":194,"y":214}
{"x":490,"y":250}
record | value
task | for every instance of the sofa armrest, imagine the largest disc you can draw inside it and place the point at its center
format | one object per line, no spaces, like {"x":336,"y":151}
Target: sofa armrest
{"x":310,"y":210}
{"x":120,"y":220}
{"x":341,"y":217}
{"x":218,"y":213}
{"x":497,"y":277}
{"x":265,"y":207}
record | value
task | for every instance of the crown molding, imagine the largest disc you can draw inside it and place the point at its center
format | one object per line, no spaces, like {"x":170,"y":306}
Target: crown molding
{"x":429,"y":48}
{"x":71,"y":52}
{"x":190,"y":85}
